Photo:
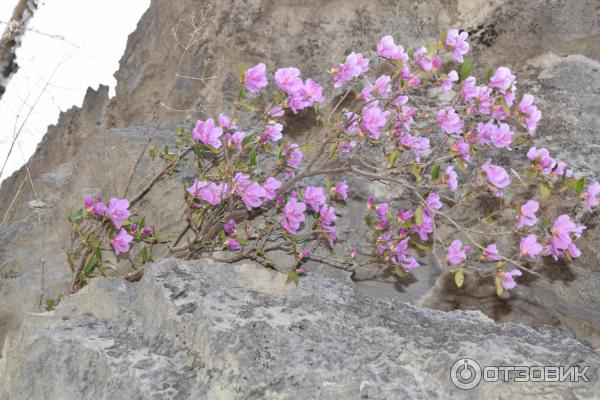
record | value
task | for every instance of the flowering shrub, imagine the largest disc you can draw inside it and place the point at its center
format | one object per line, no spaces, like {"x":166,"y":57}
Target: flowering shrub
{"x":414,"y":121}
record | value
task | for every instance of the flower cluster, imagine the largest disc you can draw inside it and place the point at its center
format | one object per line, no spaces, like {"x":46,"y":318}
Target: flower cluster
{"x":261,"y":186}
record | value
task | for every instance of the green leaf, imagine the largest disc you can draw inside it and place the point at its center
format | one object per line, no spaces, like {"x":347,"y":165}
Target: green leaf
{"x":435,"y":172}
{"x":579,"y":184}
{"x":459,"y":278}
{"x":248,"y":106}
{"x":419,"y":216}
{"x":499,"y":288}
{"x":78,"y":215}
{"x":490,"y":73}
{"x":465,"y":70}
{"x":545,"y":191}
{"x":179,"y":131}
{"x":242,"y":93}
{"x":399,"y":272}
{"x":252,"y":158}
{"x":421,"y":246}
{"x":368,"y":221}
{"x":89,"y":267}
{"x":50,"y":305}
{"x":416,"y":170}
{"x":292,"y":277}
{"x":98,"y":254}
{"x":393,"y":157}
{"x":443,"y":37}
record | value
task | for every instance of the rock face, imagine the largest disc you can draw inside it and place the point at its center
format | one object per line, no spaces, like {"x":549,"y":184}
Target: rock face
{"x":552,"y":46}
{"x":209,"y":330}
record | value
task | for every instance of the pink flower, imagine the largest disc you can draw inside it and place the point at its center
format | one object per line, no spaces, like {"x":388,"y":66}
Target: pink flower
{"x":496,"y":176}
{"x":531,"y":113}
{"x":255,"y":78}
{"x":507,"y":280}
{"x":121,"y":242}
{"x":386,"y":48}
{"x":240,"y":182}
{"x":457,"y":43}
{"x":293,"y":215}
{"x":288,"y":80}
{"x":527,"y":215}
{"x":406,"y":261}
{"x":374,"y":118}
{"x":424,"y":229}
{"x":450,"y":121}
{"x":422,"y":59}
{"x":235,"y":140}
{"x":207,"y":133}
{"x":225,"y":122}
{"x":451,"y":178}
{"x":383,"y":87}
{"x":433,"y":201}
{"x":382,"y":210}
{"x":563,"y":232}
{"x":340,"y":190}
{"x":312,"y":92}
{"x":530,"y":247}
{"x":449,"y":80}
{"x":490,"y":253}
{"x":502,"y":79}
{"x":456,"y":252}
{"x":147,"y":230}
{"x":94,"y":206}
{"x":194,"y":189}
{"x":541,"y":159}
{"x":275,"y":111}
{"x":252,"y":196}
{"x":327,"y":218}
{"x":270,"y":186}
{"x":314,"y":197}
{"x":229,"y":227}
{"x":117,"y":211}
{"x":232,"y":244}
{"x":345,"y":147}
{"x":501,"y":136}
{"x":272,"y":132}
{"x":462,"y":148}
{"x":356,"y":64}
{"x":591,"y":196}
{"x":469,"y":89}
{"x":484,"y":132}
{"x":293,"y":155}
{"x":214,"y":193}
{"x":304,"y":253}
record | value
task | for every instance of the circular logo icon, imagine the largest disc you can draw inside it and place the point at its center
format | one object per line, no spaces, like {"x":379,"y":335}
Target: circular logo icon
{"x":465,"y":374}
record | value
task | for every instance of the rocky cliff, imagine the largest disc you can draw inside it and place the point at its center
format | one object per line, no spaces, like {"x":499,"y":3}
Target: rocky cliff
{"x":179,"y":65}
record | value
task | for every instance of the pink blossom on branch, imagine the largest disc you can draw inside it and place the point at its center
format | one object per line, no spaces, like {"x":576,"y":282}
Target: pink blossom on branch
{"x":288,"y":79}
{"x":507,"y":279}
{"x":457,"y":252}
{"x":270,"y":186}
{"x":490,"y":253}
{"x":450,"y":121}
{"x":527,"y":215}
{"x":356,"y":64}
{"x":496,"y":176}
{"x":386,"y":48}
{"x":591,"y":196}
{"x":448,"y":81}
{"x":121,"y":242}
{"x":530,"y":247}
{"x":207,"y":133}
{"x":255,"y":78}
{"x":117,"y":211}
{"x":457,"y":42}
{"x":293,"y":215}
{"x":314,"y":197}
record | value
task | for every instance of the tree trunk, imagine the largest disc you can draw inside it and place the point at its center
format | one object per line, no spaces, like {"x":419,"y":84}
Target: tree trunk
{"x":11,"y":40}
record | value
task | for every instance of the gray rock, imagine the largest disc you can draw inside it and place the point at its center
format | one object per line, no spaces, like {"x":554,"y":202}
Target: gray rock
{"x":210,"y":330}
